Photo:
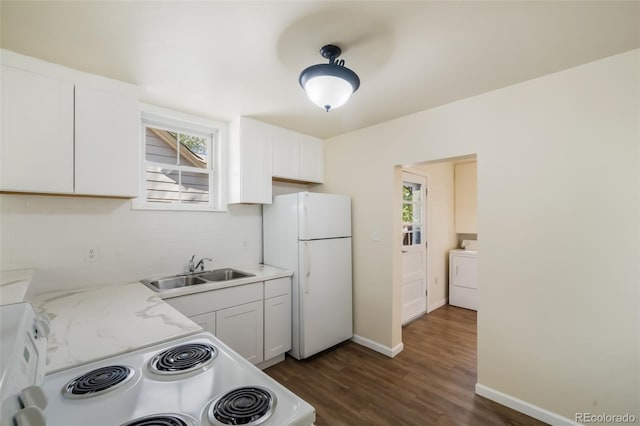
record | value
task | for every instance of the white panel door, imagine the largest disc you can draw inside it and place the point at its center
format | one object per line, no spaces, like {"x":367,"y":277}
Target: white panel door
{"x":240,"y":327}
{"x":37,"y":133}
{"x":413,"y":257}
{"x":325,"y":294}
{"x":106,"y":146}
{"x":323,"y":216}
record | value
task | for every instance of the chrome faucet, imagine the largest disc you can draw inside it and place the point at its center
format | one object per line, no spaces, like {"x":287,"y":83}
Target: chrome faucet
{"x":194,"y":267}
{"x":200,"y":263}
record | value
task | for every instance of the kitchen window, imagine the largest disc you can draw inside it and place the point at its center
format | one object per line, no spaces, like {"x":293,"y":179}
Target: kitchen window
{"x":181,"y":162}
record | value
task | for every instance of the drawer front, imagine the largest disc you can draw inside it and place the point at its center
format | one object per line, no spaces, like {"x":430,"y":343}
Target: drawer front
{"x":463,"y":297}
{"x":208,"y":301}
{"x":279,"y":287}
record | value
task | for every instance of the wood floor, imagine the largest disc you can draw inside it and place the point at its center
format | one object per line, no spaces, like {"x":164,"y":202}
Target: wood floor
{"x":431,"y":382}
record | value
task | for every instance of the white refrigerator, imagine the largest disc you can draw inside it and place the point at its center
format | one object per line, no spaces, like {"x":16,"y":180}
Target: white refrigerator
{"x":310,"y":234}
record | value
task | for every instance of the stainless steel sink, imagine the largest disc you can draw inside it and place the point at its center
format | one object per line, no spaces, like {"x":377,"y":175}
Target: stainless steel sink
{"x":173,"y":282}
{"x":226,"y":274}
{"x":217,"y":275}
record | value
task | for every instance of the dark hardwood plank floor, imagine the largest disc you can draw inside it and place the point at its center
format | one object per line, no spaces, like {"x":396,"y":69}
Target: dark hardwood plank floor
{"x":431,"y":382}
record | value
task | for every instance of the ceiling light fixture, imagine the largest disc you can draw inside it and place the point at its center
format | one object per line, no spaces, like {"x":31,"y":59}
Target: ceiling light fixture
{"x":329,"y":85}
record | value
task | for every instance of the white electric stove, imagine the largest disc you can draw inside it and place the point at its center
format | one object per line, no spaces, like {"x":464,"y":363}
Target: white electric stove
{"x":192,"y":381}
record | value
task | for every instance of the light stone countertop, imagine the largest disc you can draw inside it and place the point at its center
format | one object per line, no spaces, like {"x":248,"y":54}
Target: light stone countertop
{"x":14,"y":285}
{"x":260,"y":272}
{"x":96,"y":323}
{"x":90,"y":324}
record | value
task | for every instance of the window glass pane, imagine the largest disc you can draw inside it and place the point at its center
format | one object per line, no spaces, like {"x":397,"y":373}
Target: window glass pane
{"x":160,"y":146}
{"x":163,"y":146}
{"x":162,"y":185}
{"x":193,"y":149}
{"x":195,"y":188}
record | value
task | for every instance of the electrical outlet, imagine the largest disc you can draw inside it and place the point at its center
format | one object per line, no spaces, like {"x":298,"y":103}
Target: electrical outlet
{"x":244,"y":244}
{"x":91,"y":255}
{"x":376,"y":235}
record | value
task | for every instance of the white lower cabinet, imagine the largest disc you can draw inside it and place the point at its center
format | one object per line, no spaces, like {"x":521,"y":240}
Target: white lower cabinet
{"x":240,"y":327}
{"x":206,"y":321}
{"x":253,"y":319}
{"x":277,"y":326}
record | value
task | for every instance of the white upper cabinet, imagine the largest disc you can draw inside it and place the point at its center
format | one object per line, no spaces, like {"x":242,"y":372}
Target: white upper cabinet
{"x":297,"y":157}
{"x":466,"y":198}
{"x":259,"y":152}
{"x":107,"y":123}
{"x":249,"y":163}
{"x":311,"y":159}
{"x":286,"y":155}
{"x":67,"y":132}
{"x":37,"y":132}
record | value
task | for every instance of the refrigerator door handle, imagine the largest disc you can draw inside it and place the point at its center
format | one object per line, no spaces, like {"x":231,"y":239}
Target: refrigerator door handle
{"x":307,"y":261}
{"x":306,"y":218}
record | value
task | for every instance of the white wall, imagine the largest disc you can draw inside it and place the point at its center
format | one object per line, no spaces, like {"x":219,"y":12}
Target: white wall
{"x":441,"y":234}
{"x":559,"y":218}
{"x":52,"y":233}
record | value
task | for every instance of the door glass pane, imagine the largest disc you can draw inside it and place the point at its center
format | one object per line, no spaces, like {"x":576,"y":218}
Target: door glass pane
{"x":411,"y":213}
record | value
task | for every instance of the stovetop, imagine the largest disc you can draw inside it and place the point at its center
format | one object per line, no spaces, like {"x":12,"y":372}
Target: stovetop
{"x":221,"y":388}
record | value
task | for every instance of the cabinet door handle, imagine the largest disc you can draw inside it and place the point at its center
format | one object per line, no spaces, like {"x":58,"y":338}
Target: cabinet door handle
{"x":456,"y":270}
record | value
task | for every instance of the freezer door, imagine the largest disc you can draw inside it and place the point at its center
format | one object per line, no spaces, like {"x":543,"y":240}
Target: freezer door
{"x":325,"y":294}
{"x":323,"y":216}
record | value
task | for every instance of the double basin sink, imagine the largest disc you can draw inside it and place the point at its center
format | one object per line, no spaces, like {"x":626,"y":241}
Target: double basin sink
{"x":179,"y":281}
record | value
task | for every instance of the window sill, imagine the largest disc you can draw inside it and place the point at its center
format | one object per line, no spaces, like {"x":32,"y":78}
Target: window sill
{"x":142,"y":205}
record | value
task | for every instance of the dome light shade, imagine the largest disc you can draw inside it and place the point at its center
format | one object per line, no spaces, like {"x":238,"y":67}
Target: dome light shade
{"x":329,"y":85}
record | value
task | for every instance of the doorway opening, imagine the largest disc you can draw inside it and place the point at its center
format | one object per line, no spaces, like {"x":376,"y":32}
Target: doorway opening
{"x":413,"y":258}
{"x":447,"y":219}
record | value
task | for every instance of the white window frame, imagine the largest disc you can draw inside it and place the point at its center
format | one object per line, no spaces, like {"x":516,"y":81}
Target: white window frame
{"x":174,"y":120}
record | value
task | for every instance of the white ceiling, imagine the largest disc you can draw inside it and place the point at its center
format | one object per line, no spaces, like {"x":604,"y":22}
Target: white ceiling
{"x":222,"y":59}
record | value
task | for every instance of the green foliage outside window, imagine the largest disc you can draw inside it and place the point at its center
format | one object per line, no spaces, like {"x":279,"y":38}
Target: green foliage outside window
{"x":407,"y":209}
{"x":196,"y":144}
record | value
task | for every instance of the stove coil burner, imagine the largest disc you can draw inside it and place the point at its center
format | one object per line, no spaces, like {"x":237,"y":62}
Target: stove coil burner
{"x":161,"y":420}
{"x":98,"y":381}
{"x":183,"y":358}
{"x":243,"y":406}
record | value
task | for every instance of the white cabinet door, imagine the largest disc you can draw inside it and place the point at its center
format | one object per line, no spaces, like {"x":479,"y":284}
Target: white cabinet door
{"x":241,"y":327}
{"x":277,"y":326}
{"x":206,"y":321}
{"x":285,"y":154}
{"x":249,"y":163}
{"x":106,"y":142}
{"x":466,"y":198}
{"x":37,"y":133}
{"x":311,"y":164}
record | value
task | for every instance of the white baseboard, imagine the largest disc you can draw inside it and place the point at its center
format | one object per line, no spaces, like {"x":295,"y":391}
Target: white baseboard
{"x":436,"y":305}
{"x":384,"y":350}
{"x":524,"y":407}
